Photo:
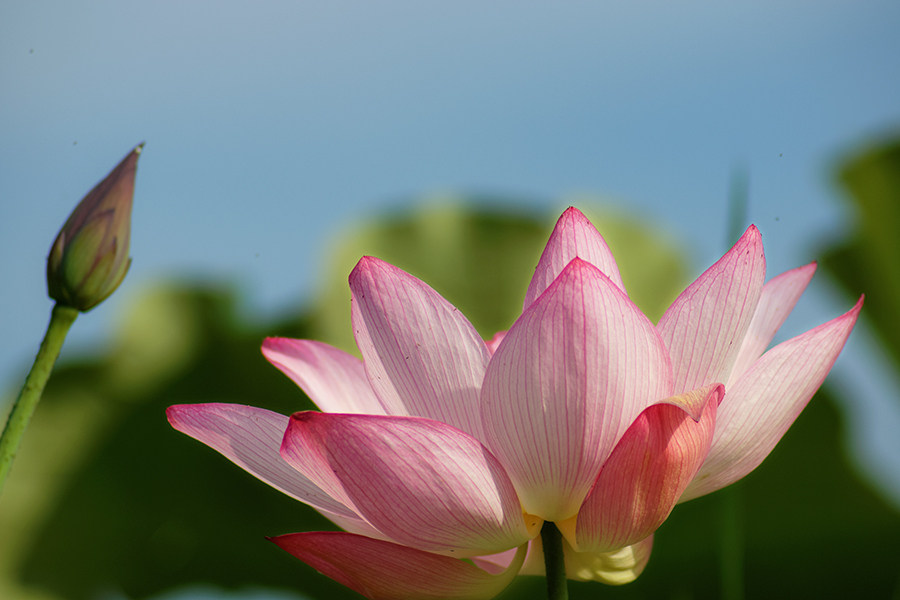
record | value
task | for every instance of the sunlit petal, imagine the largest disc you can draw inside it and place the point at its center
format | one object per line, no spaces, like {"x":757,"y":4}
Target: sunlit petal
{"x":775,"y":304}
{"x":647,"y":472}
{"x":573,"y":236}
{"x":612,"y":568}
{"x":566,"y":382}
{"x":705,"y":326}
{"x":422,"y":356}
{"x":251,"y":438}
{"x":334,"y":380}
{"x":420,"y":482}
{"x":381,"y":570}
{"x":766,"y":400}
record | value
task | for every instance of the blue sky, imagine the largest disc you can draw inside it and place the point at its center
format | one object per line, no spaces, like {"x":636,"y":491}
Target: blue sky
{"x":270,"y":126}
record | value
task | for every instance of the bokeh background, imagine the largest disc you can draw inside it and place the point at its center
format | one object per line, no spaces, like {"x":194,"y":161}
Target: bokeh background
{"x":285,"y":140}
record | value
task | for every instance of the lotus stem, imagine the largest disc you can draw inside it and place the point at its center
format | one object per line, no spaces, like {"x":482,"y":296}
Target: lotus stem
{"x":60,"y":321}
{"x":555,"y":562}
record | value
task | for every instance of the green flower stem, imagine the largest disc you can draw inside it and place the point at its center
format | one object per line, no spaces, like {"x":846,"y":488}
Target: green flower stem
{"x":60,"y":321}
{"x":554,"y":562}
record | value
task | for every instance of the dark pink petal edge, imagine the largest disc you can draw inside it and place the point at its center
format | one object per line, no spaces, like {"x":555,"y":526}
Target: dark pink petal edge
{"x":381,"y":570}
{"x":573,"y":236}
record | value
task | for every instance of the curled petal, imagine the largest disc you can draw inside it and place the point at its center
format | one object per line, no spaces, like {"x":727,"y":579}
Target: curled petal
{"x":569,"y":378}
{"x":251,"y":437}
{"x":618,"y":567}
{"x":705,"y":326}
{"x":420,"y":482}
{"x":533,"y":565}
{"x":612,"y":568}
{"x":422,"y":356}
{"x":334,"y":380}
{"x":766,"y":400}
{"x":776,"y":302}
{"x":651,"y":466}
{"x":574,"y":235}
{"x":381,"y":570}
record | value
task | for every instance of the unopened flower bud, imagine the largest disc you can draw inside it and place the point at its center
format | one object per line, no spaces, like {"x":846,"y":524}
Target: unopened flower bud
{"x":89,"y":258}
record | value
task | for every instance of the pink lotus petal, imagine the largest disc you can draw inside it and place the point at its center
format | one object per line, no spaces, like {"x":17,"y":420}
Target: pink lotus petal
{"x":612,"y":568}
{"x":571,"y":375}
{"x":651,"y":466}
{"x":574,"y":235}
{"x":423,"y":357}
{"x":381,"y":570}
{"x":334,"y":380}
{"x":766,"y":400}
{"x":776,"y":302}
{"x":356,"y":525}
{"x":251,"y":437}
{"x":494,"y":342}
{"x":705,"y":326}
{"x":495,"y":563}
{"x":422,"y":483}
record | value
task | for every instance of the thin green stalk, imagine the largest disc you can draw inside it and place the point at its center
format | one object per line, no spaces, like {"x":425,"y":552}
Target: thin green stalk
{"x":555,"y":562}
{"x":60,"y":321}
{"x":731,"y":542}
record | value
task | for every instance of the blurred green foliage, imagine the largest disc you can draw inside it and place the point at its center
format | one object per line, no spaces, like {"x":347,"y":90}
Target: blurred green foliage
{"x":108,"y":499}
{"x":869,"y":262}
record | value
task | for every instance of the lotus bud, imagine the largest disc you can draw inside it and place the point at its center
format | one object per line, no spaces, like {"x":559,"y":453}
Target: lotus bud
{"x":89,"y":258}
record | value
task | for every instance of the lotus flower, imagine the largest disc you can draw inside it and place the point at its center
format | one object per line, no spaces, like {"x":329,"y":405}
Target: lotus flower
{"x":438,"y":446}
